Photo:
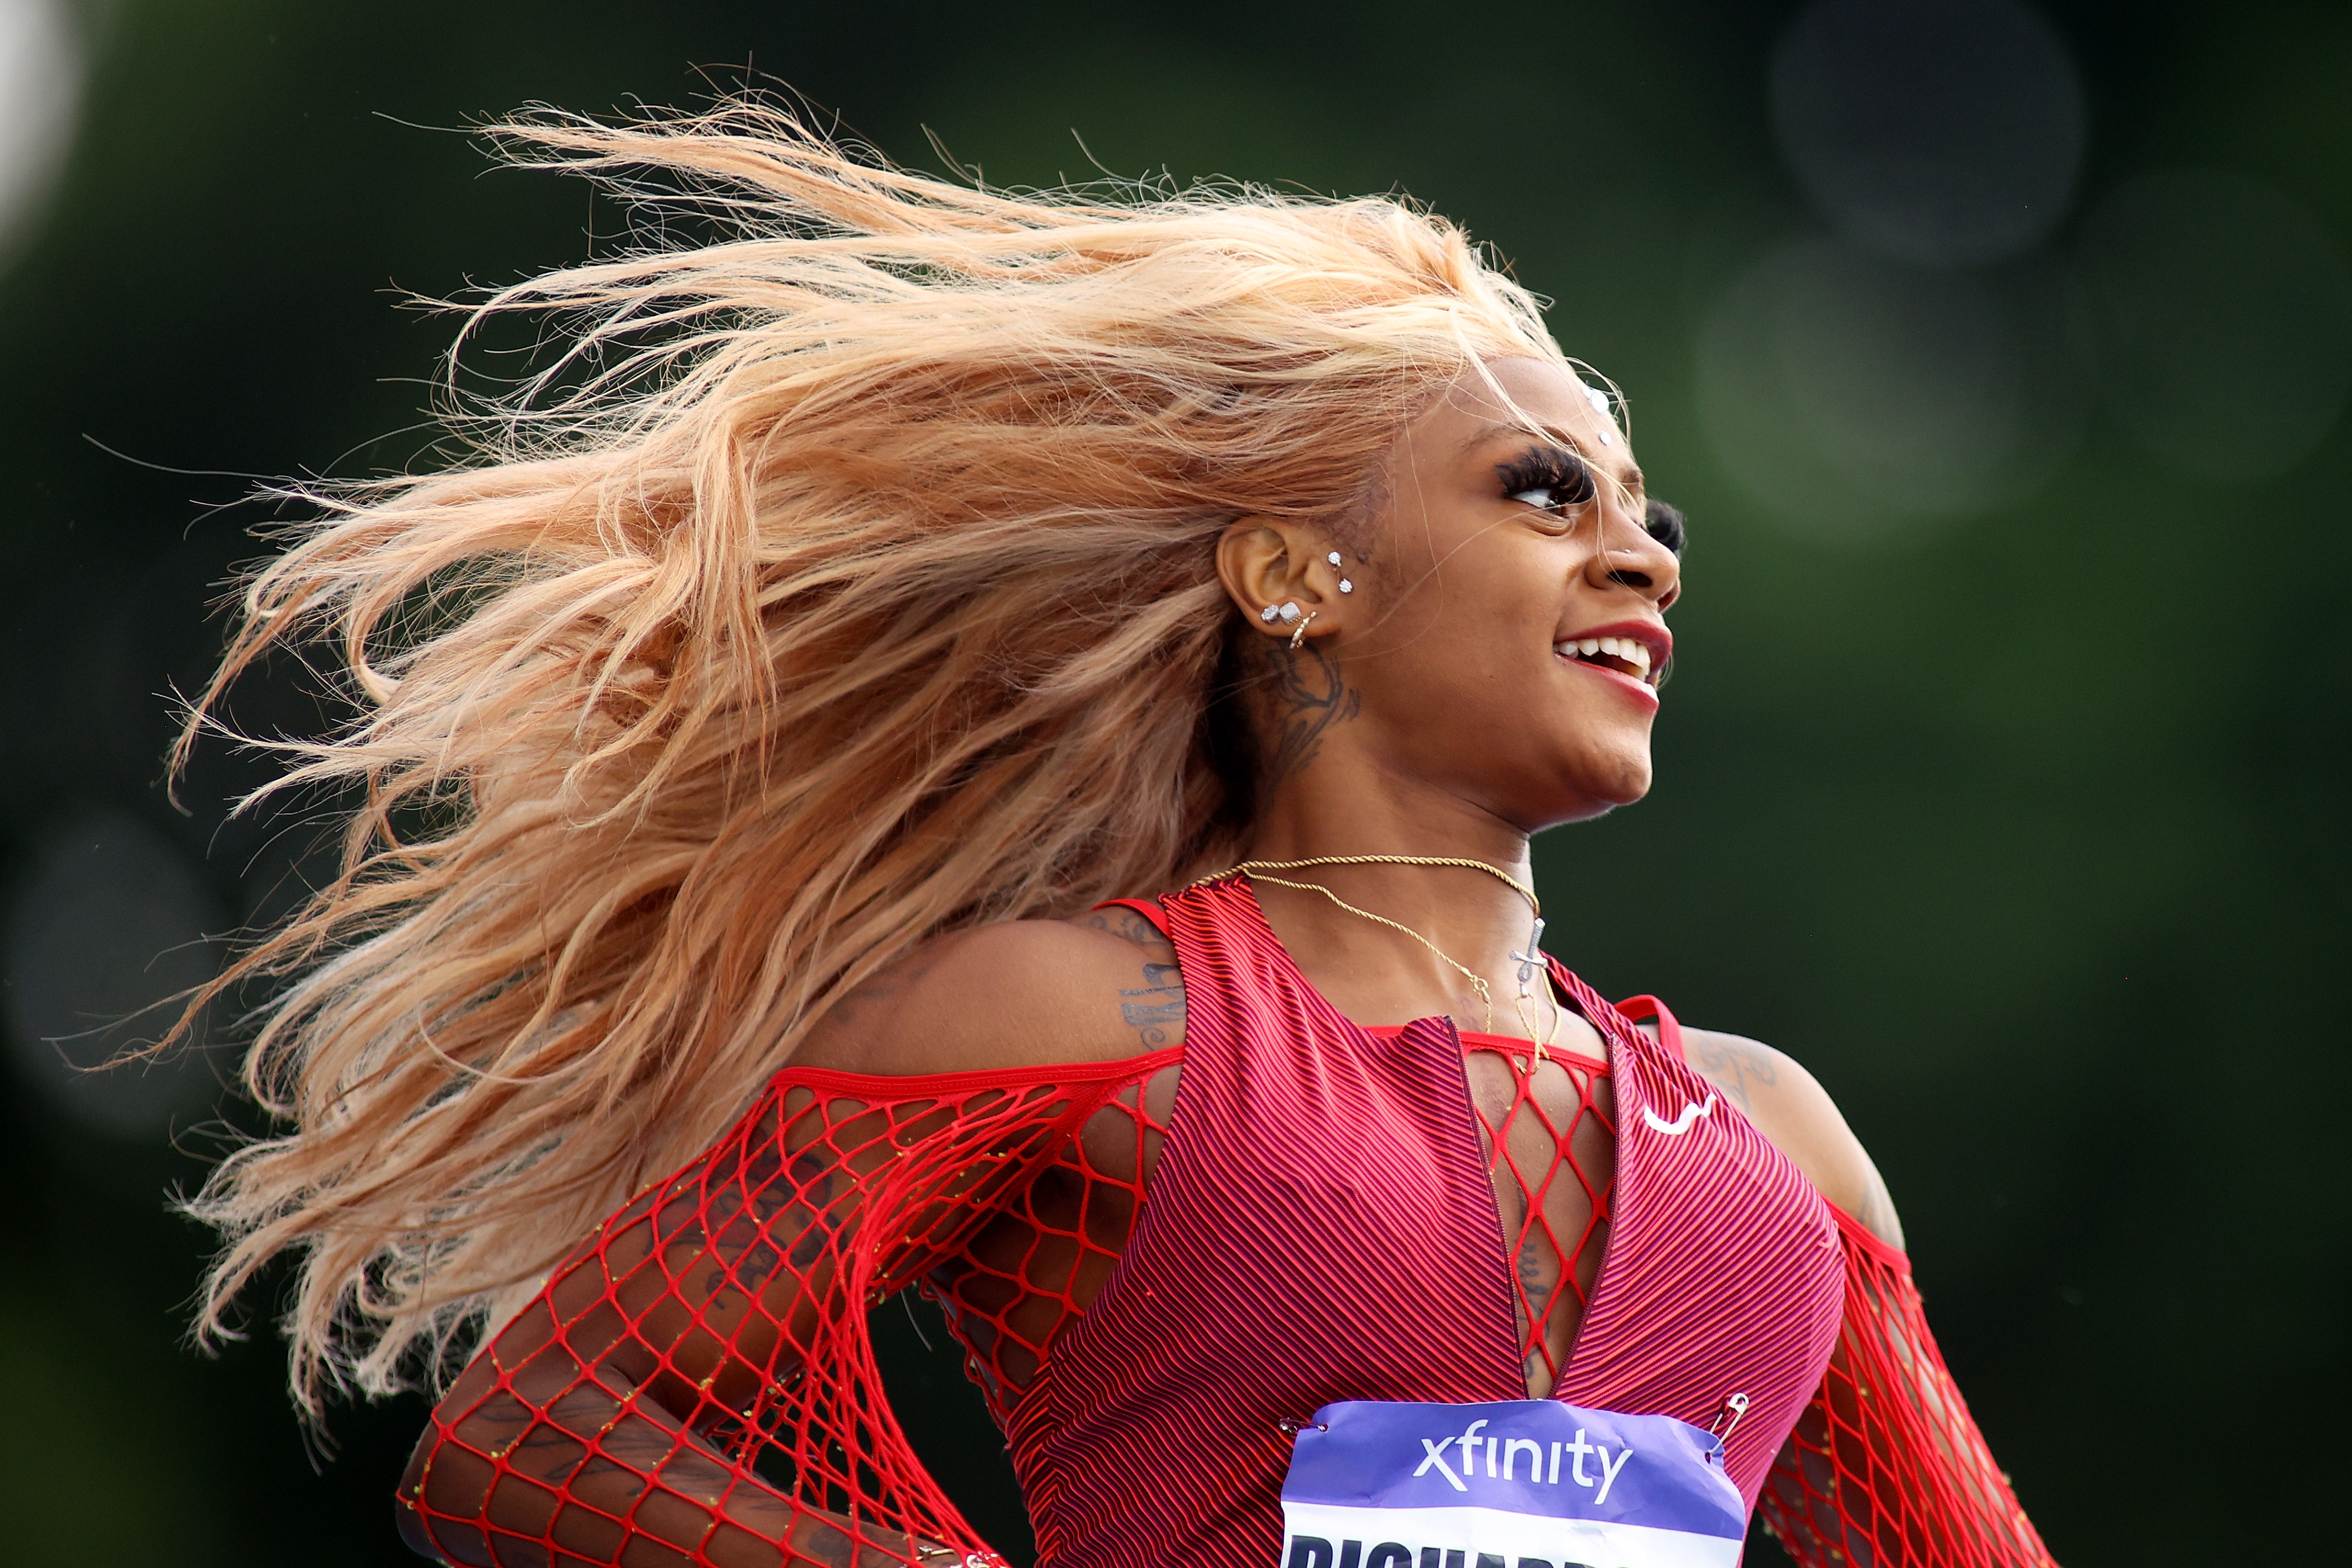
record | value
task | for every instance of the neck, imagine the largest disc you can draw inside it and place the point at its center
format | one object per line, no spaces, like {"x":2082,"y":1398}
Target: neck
{"x":1370,"y":972}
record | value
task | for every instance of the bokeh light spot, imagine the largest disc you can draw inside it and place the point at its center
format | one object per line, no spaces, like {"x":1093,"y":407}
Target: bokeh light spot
{"x":107,"y":920}
{"x":1944,"y":133}
{"x":40,"y":88}
{"x":1859,"y":399}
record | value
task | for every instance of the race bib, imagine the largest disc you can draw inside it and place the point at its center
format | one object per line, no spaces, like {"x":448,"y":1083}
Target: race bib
{"x":1528,"y":1483}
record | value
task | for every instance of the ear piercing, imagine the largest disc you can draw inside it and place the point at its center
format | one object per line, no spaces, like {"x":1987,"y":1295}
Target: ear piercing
{"x":1287,"y":613}
{"x":1290,"y":616}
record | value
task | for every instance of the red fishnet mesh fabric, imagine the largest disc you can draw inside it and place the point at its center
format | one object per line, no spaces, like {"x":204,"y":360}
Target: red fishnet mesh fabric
{"x":1046,"y":1257}
{"x":654,"y":1406}
{"x":1550,"y":1137}
{"x":1886,"y":1469}
{"x":718,"y":1321}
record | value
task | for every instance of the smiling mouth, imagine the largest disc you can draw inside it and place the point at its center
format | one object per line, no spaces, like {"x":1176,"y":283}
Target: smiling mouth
{"x":1624,"y":654}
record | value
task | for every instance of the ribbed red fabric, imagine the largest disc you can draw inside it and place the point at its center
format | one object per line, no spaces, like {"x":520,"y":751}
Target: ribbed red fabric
{"x":1331,"y":1215}
{"x":1726,"y":1275}
{"x":1324,"y":1226}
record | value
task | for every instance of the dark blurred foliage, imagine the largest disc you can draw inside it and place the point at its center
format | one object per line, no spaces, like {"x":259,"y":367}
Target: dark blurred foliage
{"x":2010,"y":795}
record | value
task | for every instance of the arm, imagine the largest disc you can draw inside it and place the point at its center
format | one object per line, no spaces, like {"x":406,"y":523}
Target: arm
{"x":623,"y":1406}
{"x":1887,"y":1468}
{"x":616,"y":1419}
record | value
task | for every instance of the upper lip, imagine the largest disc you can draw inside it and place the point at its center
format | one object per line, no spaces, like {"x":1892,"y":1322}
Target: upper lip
{"x":1653,"y":636}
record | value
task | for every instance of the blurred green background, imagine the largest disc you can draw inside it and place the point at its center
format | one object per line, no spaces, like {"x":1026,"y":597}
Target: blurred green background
{"x":1998,"y":355}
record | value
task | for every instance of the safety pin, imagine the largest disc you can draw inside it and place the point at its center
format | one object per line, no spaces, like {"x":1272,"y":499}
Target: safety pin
{"x":1290,"y":1427}
{"x":1735,"y":1406}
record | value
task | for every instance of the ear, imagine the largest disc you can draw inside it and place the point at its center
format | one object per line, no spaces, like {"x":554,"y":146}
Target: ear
{"x":1269,"y":561}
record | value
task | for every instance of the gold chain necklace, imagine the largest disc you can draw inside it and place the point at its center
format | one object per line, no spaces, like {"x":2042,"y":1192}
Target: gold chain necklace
{"x":1528,"y":961}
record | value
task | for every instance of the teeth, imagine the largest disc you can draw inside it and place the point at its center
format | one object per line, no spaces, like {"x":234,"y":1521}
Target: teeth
{"x":1632,"y":650}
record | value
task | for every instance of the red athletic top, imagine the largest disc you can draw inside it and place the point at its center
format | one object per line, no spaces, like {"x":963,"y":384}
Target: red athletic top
{"x":1332,"y":1216}
{"x":1324,"y":1226}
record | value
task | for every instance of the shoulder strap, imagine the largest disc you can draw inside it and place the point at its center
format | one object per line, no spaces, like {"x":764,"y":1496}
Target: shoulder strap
{"x":1147,"y":908}
{"x":1670,"y":1029}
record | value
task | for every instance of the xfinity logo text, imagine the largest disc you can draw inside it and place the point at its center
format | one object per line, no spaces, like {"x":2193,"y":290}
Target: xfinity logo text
{"x":1502,"y":1455}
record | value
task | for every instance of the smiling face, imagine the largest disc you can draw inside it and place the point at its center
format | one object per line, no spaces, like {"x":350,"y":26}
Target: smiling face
{"x":1503,"y":632}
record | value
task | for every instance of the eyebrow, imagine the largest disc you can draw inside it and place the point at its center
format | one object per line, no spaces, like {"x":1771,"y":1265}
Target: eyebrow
{"x":1631,"y":478}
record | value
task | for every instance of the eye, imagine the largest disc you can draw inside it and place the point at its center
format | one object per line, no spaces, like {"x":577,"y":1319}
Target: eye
{"x":1549,"y":478}
{"x":1664,"y":524}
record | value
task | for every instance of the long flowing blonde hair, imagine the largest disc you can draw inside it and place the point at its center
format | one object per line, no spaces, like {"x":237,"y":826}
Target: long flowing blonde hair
{"x":845,"y":580}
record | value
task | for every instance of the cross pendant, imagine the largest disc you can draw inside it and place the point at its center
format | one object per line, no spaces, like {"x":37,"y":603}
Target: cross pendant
{"x":1529,"y":959}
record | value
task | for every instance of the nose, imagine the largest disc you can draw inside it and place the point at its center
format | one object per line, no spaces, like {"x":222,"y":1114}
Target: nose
{"x":1634,"y":552}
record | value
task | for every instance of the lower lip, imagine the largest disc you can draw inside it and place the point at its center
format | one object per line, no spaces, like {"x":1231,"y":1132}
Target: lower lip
{"x":1641,"y":691}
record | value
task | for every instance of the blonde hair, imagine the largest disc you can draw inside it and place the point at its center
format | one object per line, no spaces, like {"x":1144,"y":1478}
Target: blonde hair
{"x":848,"y":579}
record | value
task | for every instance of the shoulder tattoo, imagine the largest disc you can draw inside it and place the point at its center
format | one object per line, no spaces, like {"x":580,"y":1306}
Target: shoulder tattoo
{"x":1733,"y":1064}
{"x":1154,"y":1009}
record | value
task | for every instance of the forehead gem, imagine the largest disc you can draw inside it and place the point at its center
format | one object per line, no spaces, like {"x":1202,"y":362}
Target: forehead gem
{"x":1600,"y":400}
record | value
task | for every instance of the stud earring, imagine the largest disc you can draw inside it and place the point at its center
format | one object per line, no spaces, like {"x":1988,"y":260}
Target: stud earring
{"x":1299,"y":636}
{"x":1286,"y":612}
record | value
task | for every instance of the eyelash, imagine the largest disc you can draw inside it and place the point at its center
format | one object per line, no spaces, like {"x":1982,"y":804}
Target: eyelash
{"x":1563,"y":473}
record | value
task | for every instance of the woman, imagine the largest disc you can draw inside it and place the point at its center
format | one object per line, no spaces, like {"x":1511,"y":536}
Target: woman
{"x":946,"y":714}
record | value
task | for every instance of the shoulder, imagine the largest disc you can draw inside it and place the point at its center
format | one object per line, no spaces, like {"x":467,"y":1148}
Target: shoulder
{"x":1789,"y":1106}
{"x":1101,"y":987}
